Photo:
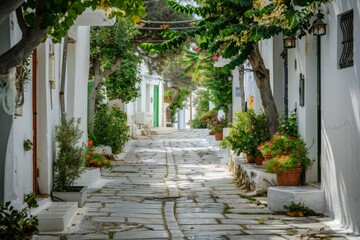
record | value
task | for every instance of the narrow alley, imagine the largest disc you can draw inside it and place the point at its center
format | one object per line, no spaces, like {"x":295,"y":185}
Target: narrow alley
{"x":174,"y":186}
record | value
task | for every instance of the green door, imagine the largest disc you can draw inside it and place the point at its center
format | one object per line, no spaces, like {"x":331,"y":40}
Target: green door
{"x":156,"y":105}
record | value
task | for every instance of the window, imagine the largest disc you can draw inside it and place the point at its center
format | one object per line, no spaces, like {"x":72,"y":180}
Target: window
{"x":347,"y":29}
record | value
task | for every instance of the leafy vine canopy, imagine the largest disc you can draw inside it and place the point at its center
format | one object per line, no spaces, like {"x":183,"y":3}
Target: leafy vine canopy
{"x":231,"y":27}
{"x":58,"y":16}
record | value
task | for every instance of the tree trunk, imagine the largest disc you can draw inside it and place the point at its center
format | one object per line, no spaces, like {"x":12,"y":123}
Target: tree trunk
{"x":242,"y":87}
{"x":262,"y":79}
{"x":98,"y":78}
{"x":92,"y":100}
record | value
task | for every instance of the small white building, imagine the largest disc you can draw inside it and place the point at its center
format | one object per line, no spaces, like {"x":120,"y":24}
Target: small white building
{"x":147,"y":111}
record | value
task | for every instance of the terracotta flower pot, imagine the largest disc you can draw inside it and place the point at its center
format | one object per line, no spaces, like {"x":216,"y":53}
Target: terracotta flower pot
{"x":250,"y":159}
{"x":259,"y":158}
{"x":291,"y":177}
{"x":267,"y":157}
{"x":211,"y":133}
{"x":218,"y":136}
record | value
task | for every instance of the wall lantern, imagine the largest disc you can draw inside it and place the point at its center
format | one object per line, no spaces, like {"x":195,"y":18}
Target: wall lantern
{"x":319,"y":27}
{"x":169,"y":84}
{"x":289,"y":42}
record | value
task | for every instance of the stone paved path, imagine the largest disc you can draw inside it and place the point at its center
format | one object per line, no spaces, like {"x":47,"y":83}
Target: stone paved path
{"x":174,"y":187}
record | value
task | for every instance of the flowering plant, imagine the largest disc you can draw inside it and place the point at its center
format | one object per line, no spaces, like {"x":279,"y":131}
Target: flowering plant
{"x":95,"y":159}
{"x":283,"y":145}
{"x":282,"y":163}
{"x":287,"y":152}
{"x":218,"y":124}
{"x":207,"y":117}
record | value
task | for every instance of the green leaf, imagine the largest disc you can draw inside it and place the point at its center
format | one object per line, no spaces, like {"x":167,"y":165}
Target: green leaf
{"x":256,"y":36}
{"x":29,"y":19}
{"x":249,"y":13}
{"x":226,"y":32}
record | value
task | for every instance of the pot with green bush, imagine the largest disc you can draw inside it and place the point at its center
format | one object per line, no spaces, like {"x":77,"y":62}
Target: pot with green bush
{"x":218,"y":124}
{"x":69,"y":163}
{"x":207,"y":118}
{"x":110,"y":128}
{"x":289,"y":159}
{"x":248,"y":131}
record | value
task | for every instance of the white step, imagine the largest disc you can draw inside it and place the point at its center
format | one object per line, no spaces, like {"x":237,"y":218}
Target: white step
{"x":311,"y":197}
{"x":55,"y":216}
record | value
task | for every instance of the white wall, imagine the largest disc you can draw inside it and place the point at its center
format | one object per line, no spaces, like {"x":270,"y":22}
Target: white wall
{"x":80,"y":80}
{"x":236,"y":98}
{"x":48,"y":113}
{"x":341,"y":121}
{"x":302,"y":60}
{"x":18,"y":173}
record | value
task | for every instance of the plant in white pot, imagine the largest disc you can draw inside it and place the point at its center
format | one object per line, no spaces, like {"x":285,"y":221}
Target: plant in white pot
{"x":69,"y":162}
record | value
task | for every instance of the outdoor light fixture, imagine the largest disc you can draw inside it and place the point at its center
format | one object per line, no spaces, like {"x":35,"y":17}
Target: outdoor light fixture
{"x":169,"y":84}
{"x":289,"y":42}
{"x":319,"y":27}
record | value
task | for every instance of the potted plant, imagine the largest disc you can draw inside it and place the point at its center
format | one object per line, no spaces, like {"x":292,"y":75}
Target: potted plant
{"x":110,"y":128}
{"x":207,"y":119}
{"x":95,"y":159}
{"x":283,"y":139}
{"x":246,"y":134}
{"x":218,"y":124}
{"x":69,"y":163}
{"x":290,"y":158}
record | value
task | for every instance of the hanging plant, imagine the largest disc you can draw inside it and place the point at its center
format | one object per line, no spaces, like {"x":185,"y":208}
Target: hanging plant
{"x":28,"y":145}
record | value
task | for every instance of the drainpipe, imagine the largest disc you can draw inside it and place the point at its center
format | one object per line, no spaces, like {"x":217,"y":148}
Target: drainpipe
{"x":63,"y":76}
{"x":284,"y":55}
{"x":34,"y":97}
{"x":318,"y":47}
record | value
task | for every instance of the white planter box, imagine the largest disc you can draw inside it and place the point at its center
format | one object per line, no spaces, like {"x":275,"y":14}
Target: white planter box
{"x":79,"y":196}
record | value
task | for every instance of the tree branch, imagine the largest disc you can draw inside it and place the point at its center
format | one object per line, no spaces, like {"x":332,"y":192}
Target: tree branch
{"x":21,"y":50}
{"x":113,"y":68}
{"x":7,"y":7}
{"x":21,"y":21}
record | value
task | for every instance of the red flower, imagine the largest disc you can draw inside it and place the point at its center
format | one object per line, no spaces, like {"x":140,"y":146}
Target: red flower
{"x":197,"y":48}
{"x":215,"y":58}
{"x":90,"y":142}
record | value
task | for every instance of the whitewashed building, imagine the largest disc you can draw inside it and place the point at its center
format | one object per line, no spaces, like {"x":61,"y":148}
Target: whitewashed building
{"x":148,"y":110}
{"x":332,"y":77}
{"x":31,"y":171}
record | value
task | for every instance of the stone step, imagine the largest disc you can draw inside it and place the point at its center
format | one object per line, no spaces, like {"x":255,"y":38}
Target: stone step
{"x":311,"y":197}
{"x":54,"y":216}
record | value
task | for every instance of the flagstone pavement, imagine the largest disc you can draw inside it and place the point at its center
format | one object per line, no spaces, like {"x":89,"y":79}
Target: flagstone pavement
{"x":173,"y":186}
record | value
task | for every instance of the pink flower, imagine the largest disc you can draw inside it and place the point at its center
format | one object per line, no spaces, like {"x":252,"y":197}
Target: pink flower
{"x":197,"y":48}
{"x":215,"y":58}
